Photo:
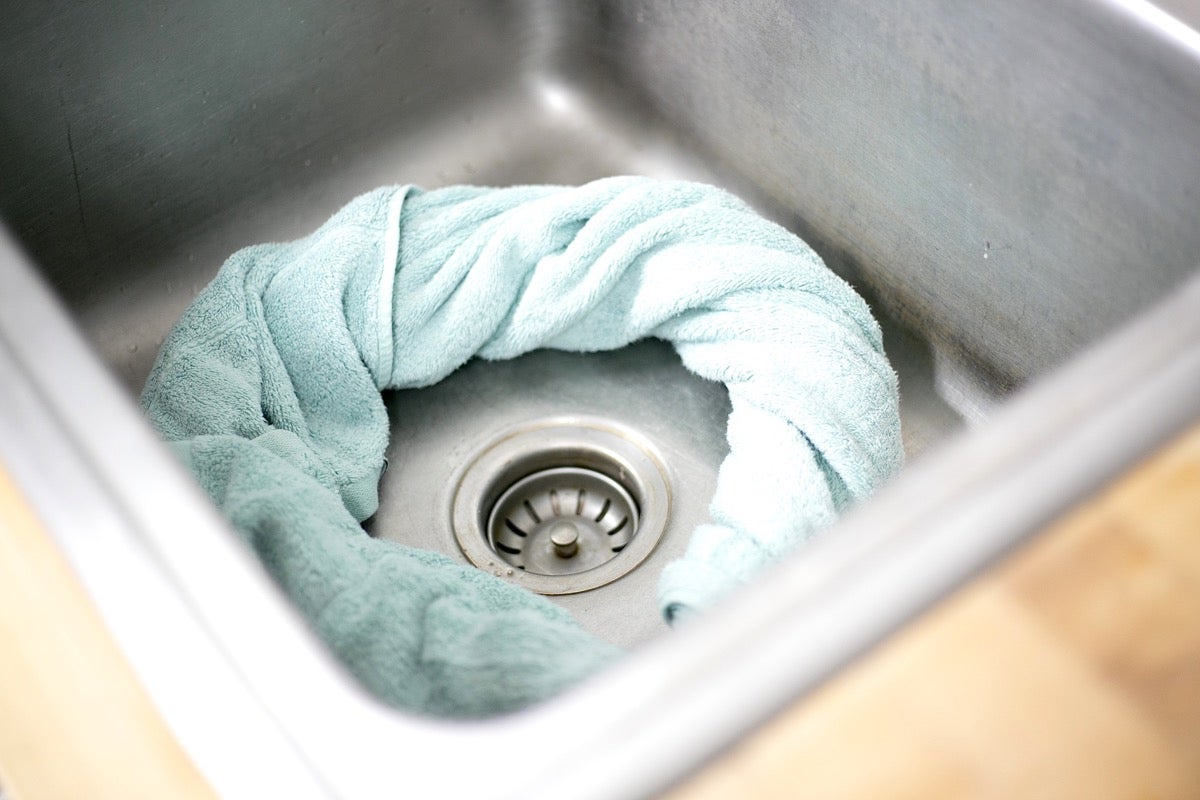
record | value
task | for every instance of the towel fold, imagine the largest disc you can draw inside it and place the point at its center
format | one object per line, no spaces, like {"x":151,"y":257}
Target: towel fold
{"x":269,"y":388}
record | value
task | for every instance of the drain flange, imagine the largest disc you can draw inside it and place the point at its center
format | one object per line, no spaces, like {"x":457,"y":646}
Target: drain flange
{"x":562,"y":506}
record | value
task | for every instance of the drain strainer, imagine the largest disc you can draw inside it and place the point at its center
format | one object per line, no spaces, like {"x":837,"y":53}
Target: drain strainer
{"x":562,"y":521}
{"x":562,"y":506}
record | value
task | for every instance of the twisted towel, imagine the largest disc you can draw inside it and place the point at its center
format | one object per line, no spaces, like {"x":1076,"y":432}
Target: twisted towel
{"x":269,"y":386}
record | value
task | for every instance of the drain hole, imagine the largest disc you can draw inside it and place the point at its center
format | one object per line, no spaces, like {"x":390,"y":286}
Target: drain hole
{"x":557,"y":514}
{"x":562,"y":505}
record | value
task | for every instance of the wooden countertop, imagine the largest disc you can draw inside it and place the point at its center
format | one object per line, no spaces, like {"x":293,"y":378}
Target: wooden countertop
{"x":74,"y":721}
{"x":1070,"y":671}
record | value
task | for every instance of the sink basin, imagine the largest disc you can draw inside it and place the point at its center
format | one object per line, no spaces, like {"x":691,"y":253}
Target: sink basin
{"x":1012,"y":187}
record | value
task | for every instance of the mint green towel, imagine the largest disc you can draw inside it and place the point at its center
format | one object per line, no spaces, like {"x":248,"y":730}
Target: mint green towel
{"x":269,"y":388}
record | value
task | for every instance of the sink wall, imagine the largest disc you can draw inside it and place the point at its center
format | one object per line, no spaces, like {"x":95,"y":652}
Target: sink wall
{"x":1014,"y":177}
{"x":129,"y":126}
{"x":1011,"y":180}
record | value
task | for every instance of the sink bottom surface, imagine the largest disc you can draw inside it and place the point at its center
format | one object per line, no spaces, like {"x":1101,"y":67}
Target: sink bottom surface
{"x":543,"y":133}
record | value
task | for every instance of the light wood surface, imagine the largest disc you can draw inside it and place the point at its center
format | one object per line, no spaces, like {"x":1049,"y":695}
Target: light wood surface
{"x":74,"y":721}
{"x":1070,"y":671}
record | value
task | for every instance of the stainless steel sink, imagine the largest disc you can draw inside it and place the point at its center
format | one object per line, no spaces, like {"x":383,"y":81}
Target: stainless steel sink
{"x":1007,"y":183}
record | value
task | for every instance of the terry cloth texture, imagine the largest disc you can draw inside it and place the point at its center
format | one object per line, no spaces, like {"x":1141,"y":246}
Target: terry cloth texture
{"x":269,"y":387}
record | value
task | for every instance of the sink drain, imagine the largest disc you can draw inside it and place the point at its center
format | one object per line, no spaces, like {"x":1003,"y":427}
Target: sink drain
{"x":562,"y":506}
{"x":562,"y":521}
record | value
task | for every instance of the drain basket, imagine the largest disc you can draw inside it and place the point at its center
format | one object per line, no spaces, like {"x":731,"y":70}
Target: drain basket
{"x":562,"y":506}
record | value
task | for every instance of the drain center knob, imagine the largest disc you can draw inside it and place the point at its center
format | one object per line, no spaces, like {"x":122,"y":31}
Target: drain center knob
{"x":565,"y":538}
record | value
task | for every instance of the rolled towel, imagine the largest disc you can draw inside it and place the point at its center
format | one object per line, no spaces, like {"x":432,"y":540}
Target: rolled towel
{"x":270,"y":384}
